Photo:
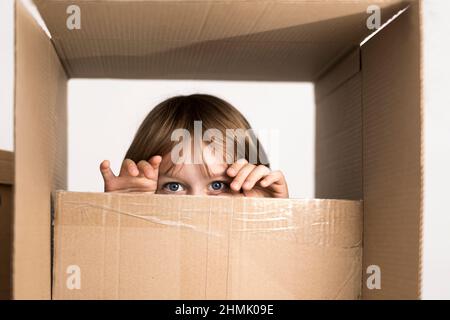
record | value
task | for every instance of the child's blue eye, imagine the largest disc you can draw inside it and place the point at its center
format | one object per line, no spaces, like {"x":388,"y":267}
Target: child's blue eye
{"x":217,"y":185}
{"x":173,"y":186}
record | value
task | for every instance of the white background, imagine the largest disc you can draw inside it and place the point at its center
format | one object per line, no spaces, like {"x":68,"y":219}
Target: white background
{"x":131,"y":106}
{"x":105,"y":114}
{"x":436,"y":255}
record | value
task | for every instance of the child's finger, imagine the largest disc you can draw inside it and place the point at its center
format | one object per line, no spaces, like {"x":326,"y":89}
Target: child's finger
{"x":233,"y":170}
{"x":155,"y":161}
{"x":256,"y":175}
{"x":129,"y":168}
{"x":105,"y":169}
{"x":274,"y":176}
{"x":145,"y":169}
{"x":241,"y":176}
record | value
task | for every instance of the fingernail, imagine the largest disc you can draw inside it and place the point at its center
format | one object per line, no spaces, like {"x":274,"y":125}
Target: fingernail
{"x":246,"y":185}
{"x":231,"y":171}
{"x":235,"y":185}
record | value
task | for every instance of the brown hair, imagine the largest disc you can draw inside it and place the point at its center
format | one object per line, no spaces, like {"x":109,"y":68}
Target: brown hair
{"x":154,"y":135}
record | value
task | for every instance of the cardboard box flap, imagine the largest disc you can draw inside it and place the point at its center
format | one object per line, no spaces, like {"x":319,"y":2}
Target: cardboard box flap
{"x":130,"y":246}
{"x":234,"y":40}
{"x":6,"y":213}
{"x":338,"y":151}
{"x":392,"y":151}
{"x":6,"y":167}
{"x":40,"y":153}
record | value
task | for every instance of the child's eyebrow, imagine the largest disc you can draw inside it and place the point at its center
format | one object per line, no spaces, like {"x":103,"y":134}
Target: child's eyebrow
{"x":173,"y":172}
{"x":213,"y":177}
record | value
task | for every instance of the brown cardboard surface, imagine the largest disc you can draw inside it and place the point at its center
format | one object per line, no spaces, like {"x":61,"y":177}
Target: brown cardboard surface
{"x":231,"y":40}
{"x":392,"y":163}
{"x":40,"y":153}
{"x":6,"y":167}
{"x":6,"y":211}
{"x":138,"y":246}
{"x":338,"y":173}
{"x":339,"y":73}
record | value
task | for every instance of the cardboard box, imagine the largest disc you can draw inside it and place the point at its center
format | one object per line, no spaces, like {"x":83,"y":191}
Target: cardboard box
{"x":128,"y":246}
{"x":368,"y":99}
{"x":6,"y":212}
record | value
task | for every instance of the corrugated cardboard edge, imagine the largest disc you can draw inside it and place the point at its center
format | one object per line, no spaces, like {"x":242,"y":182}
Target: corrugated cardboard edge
{"x":422,"y":141}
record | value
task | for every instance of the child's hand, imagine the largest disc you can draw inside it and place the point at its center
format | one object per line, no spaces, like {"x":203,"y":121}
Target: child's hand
{"x":141,"y":177}
{"x":257,"y":181}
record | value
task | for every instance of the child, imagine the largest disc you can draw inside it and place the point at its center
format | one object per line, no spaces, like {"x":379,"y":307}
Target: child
{"x":152,"y":165}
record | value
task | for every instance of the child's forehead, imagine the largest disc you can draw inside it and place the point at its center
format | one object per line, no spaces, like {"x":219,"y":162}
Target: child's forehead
{"x":207,"y":169}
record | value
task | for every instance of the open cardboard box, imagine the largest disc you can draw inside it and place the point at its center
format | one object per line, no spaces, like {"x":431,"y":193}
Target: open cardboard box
{"x":368,"y":123}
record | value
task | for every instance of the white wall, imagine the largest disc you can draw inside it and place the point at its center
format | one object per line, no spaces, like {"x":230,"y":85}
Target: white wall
{"x":436,"y":257}
{"x":105,"y":114}
{"x":6,"y":74}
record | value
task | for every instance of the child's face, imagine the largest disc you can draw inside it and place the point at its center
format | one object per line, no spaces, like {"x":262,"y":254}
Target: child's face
{"x":194,"y":179}
{"x":212,"y":177}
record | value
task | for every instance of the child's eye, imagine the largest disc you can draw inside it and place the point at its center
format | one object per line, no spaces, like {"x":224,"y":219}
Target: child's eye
{"x":173,"y":187}
{"x":218,"y":186}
